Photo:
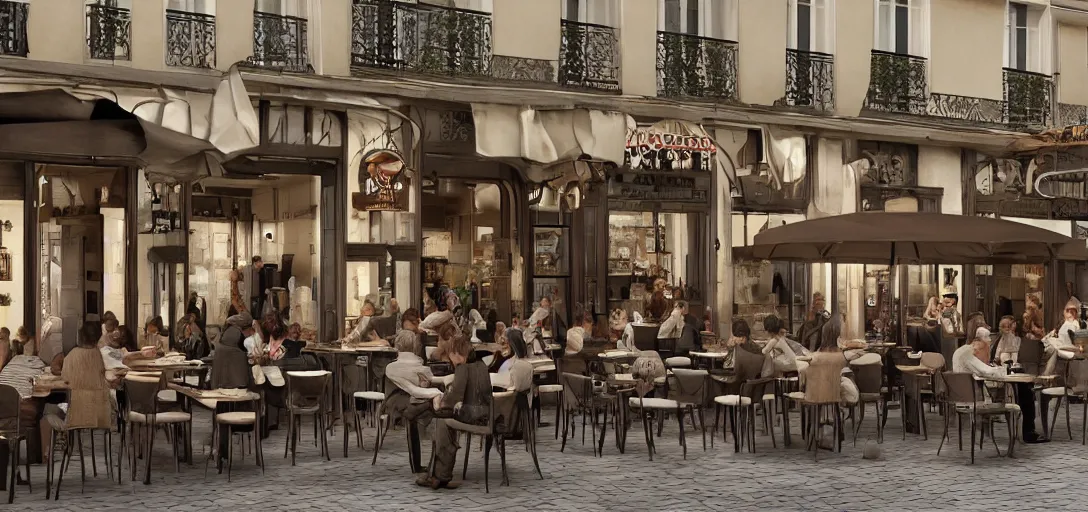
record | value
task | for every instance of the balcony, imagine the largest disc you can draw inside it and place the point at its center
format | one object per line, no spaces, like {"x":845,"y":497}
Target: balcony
{"x":190,"y":39}
{"x":897,"y":84}
{"x":966,"y":108}
{"x":108,"y":32}
{"x":422,"y":38}
{"x":13,"y":16}
{"x":589,"y":56}
{"x":810,"y":80}
{"x":696,"y":66}
{"x":1068,"y":114}
{"x":279,"y":42}
{"x":1028,"y":96}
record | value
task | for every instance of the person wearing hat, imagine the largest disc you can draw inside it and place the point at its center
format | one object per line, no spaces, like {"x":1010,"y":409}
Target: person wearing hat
{"x":950,"y":314}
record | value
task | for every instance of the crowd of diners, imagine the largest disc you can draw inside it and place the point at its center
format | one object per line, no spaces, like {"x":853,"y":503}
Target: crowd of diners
{"x":250,"y":353}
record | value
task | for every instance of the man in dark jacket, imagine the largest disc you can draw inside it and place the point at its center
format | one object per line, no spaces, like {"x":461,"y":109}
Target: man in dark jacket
{"x":466,"y":402}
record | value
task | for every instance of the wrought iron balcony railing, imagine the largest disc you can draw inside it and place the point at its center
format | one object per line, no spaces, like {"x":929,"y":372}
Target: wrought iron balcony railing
{"x":418,"y":37}
{"x":897,"y":83}
{"x":279,"y":42}
{"x":190,"y":39}
{"x":696,"y":66}
{"x":13,"y":38}
{"x":109,"y":35}
{"x":1068,"y":114}
{"x":1027,"y":97}
{"x":589,"y":56}
{"x":810,"y":79}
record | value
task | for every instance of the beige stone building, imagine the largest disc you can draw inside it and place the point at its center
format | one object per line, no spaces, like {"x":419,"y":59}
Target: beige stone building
{"x":576,"y":149}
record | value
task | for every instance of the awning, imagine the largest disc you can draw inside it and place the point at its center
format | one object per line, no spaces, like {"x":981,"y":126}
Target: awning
{"x":175,"y":135}
{"x":549,"y":136}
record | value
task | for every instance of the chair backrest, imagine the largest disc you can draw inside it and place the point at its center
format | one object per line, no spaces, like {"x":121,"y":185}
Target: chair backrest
{"x":9,"y":409}
{"x":960,"y":387}
{"x":868,"y":377}
{"x":645,"y":337}
{"x":1076,"y":376}
{"x":932,"y":360}
{"x":142,"y":394}
{"x":746,"y":364}
{"x":577,"y":390}
{"x":385,"y":326}
{"x":755,"y":389}
{"x":822,"y":383}
{"x":690,"y":386}
{"x":1030,"y":356}
{"x":307,"y":389}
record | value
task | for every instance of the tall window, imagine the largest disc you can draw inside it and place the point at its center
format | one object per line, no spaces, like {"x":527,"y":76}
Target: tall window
{"x":600,"y":12}
{"x":811,"y":25}
{"x":295,"y":8}
{"x":196,"y":6}
{"x":708,"y":18}
{"x":902,"y":26}
{"x":1022,"y":31}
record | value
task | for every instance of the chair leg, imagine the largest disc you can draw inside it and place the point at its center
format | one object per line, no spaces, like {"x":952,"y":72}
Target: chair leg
{"x":377,"y":442}
{"x":558,"y":411}
{"x":861,"y":420}
{"x":702,"y":426}
{"x":290,"y":434}
{"x":468,"y":445}
{"x":972,"y":438}
{"x":1054,"y":417}
{"x":94,"y":464}
{"x":487,"y":456}
{"x":945,"y":435}
{"x":1068,"y":424}
{"x":230,"y":450}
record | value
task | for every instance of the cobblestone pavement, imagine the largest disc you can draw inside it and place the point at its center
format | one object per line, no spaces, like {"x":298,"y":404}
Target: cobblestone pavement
{"x":910,"y":477}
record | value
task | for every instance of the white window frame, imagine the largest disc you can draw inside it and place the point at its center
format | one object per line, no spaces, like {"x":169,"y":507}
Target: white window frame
{"x":917,"y":36}
{"x":1039,"y":57}
{"x":597,"y":12}
{"x":193,"y":6}
{"x":719,"y":18}
{"x":821,"y":36}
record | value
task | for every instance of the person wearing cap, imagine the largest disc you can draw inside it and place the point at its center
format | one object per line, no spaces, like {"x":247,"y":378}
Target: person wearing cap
{"x":951,"y":320}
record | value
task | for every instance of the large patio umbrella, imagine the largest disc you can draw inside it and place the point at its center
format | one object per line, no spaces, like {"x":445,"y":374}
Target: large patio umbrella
{"x":914,"y":238}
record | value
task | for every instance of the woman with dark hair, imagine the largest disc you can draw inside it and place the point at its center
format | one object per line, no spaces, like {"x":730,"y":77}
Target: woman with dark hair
{"x":829,"y":354}
{"x":780,"y":356}
{"x":517,"y":371}
{"x":155,"y":336}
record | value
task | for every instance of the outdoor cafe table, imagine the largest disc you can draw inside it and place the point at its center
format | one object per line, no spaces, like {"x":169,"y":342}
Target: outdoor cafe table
{"x":711,"y":357}
{"x":206,"y":397}
{"x":338,"y":374}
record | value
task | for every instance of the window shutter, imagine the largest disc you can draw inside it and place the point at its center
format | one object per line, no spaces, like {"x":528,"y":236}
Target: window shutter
{"x":791,"y":24}
{"x":725,"y":23}
{"x":1034,"y":51}
{"x":672,"y":15}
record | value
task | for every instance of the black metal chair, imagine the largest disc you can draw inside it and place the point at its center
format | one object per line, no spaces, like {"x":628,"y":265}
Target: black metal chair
{"x":306,"y":396}
{"x":11,"y":432}
{"x":962,"y":397}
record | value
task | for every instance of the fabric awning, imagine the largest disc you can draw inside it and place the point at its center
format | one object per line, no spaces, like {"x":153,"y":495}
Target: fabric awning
{"x":176,"y":135}
{"x":549,"y":136}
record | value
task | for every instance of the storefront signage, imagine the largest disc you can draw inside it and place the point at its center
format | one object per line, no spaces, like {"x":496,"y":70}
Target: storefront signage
{"x":382,"y":184}
{"x":1000,"y":187}
{"x":652,"y":150}
{"x":1076,"y":133}
{"x":656,"y":187}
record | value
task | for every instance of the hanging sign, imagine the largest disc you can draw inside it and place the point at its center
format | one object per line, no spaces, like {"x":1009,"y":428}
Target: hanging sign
{"x":382,"y":184}
{"x":653,"y":150}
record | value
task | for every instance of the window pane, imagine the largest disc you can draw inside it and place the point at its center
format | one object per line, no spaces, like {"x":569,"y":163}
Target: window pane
{"x":902,"y":27}
{"x":693,"y":17}
{"x":672,"y":15}
{"x":804,"y":26}
{"x":572,"y":10}
{"x":886,"y":27}
{"x":820,"y":41}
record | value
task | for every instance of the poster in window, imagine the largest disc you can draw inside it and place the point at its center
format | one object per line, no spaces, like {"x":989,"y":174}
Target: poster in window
{"x":383,"y":184}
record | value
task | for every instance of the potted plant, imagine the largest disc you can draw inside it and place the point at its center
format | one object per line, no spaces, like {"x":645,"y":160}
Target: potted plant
{"x":5,"y":299}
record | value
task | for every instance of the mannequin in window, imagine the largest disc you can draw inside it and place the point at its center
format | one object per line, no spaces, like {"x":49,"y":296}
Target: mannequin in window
{"x":1033,"y":318}
{"x":951,"y":320}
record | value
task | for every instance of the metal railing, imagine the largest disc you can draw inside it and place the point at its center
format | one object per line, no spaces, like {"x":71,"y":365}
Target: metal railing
{"x":696,"y":66}
{"x":1028,"y":97}
{"x":190,"y":39}
{"x":422,"y":38}
{"x":589,"y":56}
{"x":109,"y":35}
{"x":897,"y":83}
{"x":810,"y":79}
{"x":279,"y":42}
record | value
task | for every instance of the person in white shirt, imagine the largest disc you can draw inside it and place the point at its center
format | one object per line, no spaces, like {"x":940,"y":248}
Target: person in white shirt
{"x":116,"y":356}
{"x":516,"y":373}
{"x":974,"y":357}
{"x":414,"y":395}
{"x":576,"y":335}
{"x":673,"y":326}
{"x":1060,"y":343}
{"x":1008,"y":345}
{"x":779,"y":356}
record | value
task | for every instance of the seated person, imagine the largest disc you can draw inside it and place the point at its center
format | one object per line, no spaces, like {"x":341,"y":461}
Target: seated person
{"x":1008,"y":345}
{"x":516,"y":372}
{"x":583,"y":328}
{"x":89,"y":391}
{"x":500,"y":356}
{"x":974,"y":357}
{"x":829,"y":354}
{"x":155,"y":336}
{"x":115,"y":355}
{"x":673,"y":326}
{"x":293,"y":344}
{"x":108,"y":326}
{"x":413,"y":397}
{"x":23,"y":344}
{"x":468,"y":400}
{"x":5,"y":347}
{"x":779,"y":354}
{"x":364,"y":335}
